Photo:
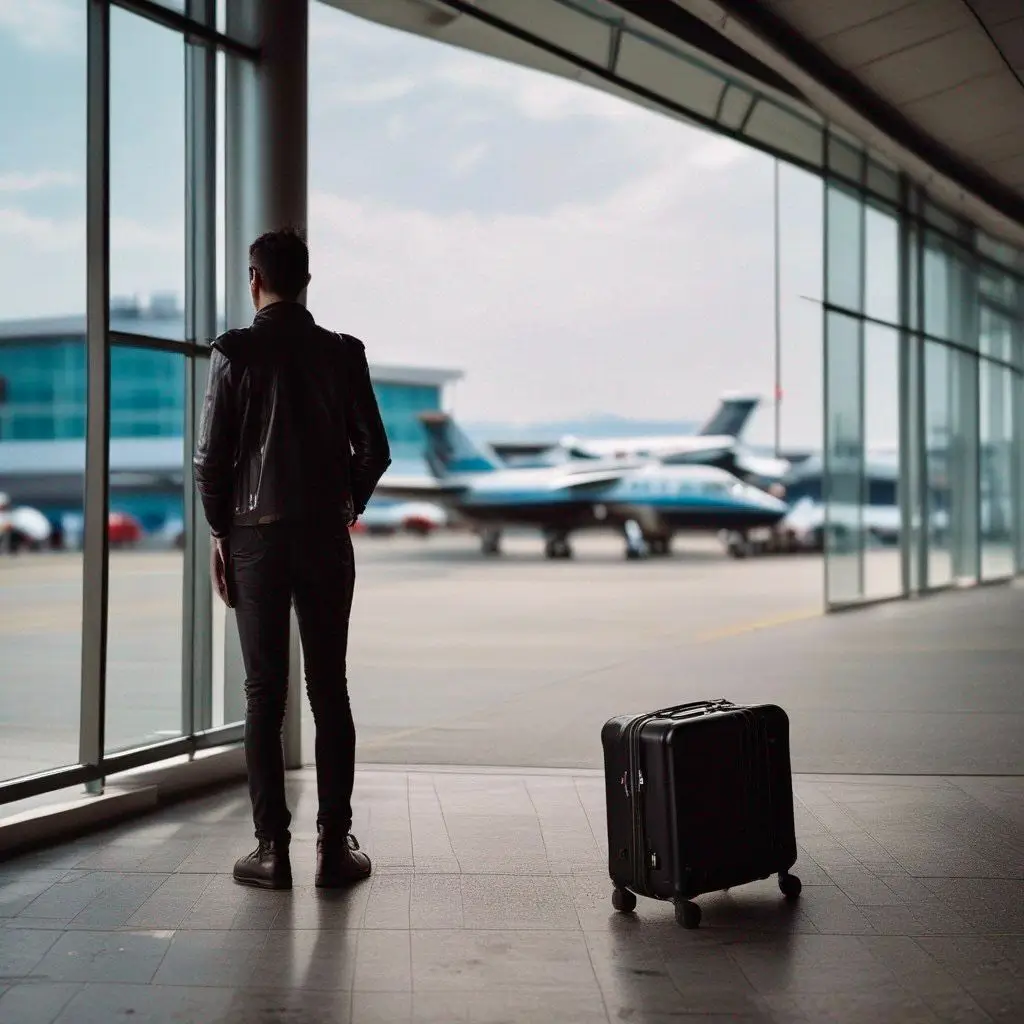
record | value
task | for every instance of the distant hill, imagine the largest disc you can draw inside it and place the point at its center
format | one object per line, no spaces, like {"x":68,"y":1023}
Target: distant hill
{"x":598,"y":425}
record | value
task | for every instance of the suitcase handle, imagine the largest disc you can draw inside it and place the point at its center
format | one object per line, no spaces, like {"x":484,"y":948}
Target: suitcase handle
{"x":693,"y":705}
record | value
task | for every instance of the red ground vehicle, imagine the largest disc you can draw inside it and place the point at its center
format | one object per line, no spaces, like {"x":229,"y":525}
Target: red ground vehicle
{"x":123,"y":530}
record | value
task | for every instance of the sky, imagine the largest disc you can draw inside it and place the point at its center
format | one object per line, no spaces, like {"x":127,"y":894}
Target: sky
{"x":572,"y":253}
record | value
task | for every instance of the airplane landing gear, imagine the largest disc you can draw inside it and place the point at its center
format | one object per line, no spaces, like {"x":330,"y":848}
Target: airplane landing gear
{"x":490,"y":542}
{"x":557,"y":546}
{"x":660,"y":546}
{"x":738,"y":544}
{"x":636,"y":545}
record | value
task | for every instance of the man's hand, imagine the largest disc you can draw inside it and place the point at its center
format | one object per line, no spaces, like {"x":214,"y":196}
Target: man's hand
{"x":219,"y":568}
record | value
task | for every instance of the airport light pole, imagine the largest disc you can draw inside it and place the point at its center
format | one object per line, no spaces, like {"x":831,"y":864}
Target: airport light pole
{"x":778,"y":318}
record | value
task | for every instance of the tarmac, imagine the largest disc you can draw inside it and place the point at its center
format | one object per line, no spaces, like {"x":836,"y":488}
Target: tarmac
{"x":460,"y":659}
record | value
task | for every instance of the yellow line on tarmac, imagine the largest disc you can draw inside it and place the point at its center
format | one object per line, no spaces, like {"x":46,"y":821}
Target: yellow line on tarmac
{"x":740,"y":628}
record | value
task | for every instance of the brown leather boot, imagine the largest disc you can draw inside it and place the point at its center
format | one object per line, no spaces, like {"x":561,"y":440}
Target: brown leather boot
{"x":267,"y":867}
{"x":339,"y":861}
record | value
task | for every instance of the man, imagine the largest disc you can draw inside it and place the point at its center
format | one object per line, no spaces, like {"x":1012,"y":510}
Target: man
{"x":291,"y":447}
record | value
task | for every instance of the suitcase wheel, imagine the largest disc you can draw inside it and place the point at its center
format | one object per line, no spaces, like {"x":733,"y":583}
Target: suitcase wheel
{"x":623,"y":901}
{"x":687,"y":913}
{"x":790,"y":885}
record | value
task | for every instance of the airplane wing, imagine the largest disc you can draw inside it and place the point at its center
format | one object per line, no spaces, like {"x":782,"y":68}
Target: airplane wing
{"x":505,"y":449}
{"x":701,"y":457}
{"x":589,"y":478}
{"x":417,"y":489}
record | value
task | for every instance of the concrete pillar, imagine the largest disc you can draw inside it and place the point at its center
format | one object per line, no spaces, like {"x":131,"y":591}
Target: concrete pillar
{"x":266,"y":188}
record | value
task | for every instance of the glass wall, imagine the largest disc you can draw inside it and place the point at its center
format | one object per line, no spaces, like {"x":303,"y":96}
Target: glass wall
{"x":103,"y":349}
{"x":923,"y":385}
{"x":42,"y":388}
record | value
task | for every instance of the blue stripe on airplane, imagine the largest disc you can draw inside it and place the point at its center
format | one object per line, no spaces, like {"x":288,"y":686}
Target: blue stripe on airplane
{"x":565,"y":497}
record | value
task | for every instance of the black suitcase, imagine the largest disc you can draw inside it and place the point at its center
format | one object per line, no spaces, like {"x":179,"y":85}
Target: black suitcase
{"x":700,"y":798}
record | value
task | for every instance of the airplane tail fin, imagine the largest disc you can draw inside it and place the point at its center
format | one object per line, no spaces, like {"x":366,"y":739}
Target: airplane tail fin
{"x":731,"y":417}
{"x":450,"y":450}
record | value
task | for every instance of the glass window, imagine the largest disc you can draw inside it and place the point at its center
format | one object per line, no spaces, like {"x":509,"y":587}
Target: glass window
{"x":688,"y":83}
{"x":997,"y":479}
{"x":844,"y":459}
{"x":949,"y":293}
{"x":938,"y":434}
{"x":996,"y":340}
{"x":963,"y":462}
{"x":881,"y":270}
{"x":146,"y":568}
{"x":845,"y":249}
{"x":845,"y":160}
{"x":147,"y":176}
{"x":42,"y":385}
{"x":881,"y":512}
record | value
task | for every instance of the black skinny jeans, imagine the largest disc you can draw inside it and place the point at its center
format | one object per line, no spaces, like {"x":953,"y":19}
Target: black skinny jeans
{"x":269,"y":568}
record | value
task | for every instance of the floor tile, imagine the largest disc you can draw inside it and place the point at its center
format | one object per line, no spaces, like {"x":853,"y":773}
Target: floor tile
{"x":513,"y":901}
{"x":981,"y":965}
{"x":307,"y":959}
{"x":811,"y":964}
{"x":146,"y":1004}
{"x":471,"y":960}
{"x":36,"y":1002}
{"x":988,"y":904}
{"x":383,"y":961}
{"x":218,"y":958}
{"x":131,"y":957}
{"x":21,"y":950}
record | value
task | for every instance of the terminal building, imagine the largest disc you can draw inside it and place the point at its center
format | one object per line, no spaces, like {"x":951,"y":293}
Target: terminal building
{"x":43,"y":400}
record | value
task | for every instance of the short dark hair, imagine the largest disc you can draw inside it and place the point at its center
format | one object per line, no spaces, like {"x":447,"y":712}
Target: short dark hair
{"x":282,"y":260}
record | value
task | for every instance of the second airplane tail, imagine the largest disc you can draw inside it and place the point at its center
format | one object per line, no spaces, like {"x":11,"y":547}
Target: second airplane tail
{"x":731,"y":417}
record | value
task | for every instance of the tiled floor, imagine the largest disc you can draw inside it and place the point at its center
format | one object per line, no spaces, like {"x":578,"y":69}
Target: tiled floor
{"x":490,"y":903}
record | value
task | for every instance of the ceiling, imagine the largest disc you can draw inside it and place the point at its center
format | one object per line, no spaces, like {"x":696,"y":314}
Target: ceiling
{"x":945,"y":78}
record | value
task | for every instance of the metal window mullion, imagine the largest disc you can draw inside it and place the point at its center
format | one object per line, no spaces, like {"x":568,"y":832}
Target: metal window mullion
{"x":95,"y":575}
{"x":198,"y":29}
{"x":200,"y":323}
{"x":906,"y":469}
{"x":862,"y":384}
{"x":129,"y":339}
{"x":924,"y":476}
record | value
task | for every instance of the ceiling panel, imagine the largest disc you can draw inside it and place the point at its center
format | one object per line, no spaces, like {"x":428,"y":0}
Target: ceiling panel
{"x":1010,"y":40}
{"x":999,"y":147}
{"x":897,"y":31}
{"x":1011,"y":171}
{"x":996,"y":12}
{"x":818,"y":18}
{"x":932,"y":67}
{"x":983,"y":108}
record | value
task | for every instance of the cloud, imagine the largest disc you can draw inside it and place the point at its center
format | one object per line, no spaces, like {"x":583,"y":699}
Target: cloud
{"x":466,"y":159}
{"x":384,"y":90}
{"x":533,"y":94}
{"x":47,"y":25}
{"x":129,"y":234}
{"x":33,"y":181}
{"x":42,"y":234}
{"x":645,"y":301}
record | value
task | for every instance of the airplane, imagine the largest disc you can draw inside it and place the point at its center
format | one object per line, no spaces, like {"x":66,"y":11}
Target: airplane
{"x":720,"y":432}
{"x":648,"y":501}
{"x":717,"y":443}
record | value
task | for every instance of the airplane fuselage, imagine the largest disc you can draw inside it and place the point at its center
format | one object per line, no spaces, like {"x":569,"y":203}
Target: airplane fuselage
{"x":659,"y":497}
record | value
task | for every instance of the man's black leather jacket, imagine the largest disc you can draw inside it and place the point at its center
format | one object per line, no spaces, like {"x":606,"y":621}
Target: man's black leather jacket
{"x":290,"y":426}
